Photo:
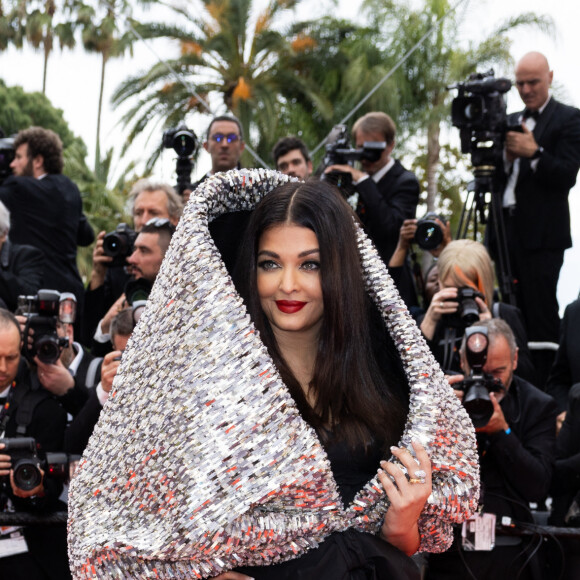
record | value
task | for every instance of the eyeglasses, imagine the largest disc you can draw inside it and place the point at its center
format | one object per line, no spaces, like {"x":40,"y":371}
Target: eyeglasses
{"x":230,"y":137}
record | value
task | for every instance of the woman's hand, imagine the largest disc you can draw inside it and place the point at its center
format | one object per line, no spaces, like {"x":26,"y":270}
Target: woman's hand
{"x":442,"y":303}
{"x":407,"y":496}
{"x":484,"y":311}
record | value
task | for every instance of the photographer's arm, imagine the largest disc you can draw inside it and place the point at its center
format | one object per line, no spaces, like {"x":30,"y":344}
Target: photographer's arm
{"x":100,"y":264}
{"x":526,"y":463}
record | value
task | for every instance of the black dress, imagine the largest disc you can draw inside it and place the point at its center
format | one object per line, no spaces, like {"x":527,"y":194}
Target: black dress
{"x":348,"y":555}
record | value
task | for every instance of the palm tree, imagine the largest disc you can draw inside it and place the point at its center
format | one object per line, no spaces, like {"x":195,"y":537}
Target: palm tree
{"x":227,"y":50}
{"x":439,"y":62}
{"x":104,"y":32}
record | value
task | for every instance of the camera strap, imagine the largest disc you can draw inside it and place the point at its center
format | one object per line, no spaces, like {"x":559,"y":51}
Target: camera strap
{"x":449,"y":345}
{"x":6,"y":409}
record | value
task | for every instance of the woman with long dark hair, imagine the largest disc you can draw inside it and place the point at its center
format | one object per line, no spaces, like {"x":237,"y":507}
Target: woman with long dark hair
{"x":302,"y":432}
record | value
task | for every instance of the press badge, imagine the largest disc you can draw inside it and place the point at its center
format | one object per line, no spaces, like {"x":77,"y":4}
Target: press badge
{"x":478,"y":533}
{"x":12,"y":541}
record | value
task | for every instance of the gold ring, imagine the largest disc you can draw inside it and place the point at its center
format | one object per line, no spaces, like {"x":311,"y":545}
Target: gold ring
{"x":416,"y":480}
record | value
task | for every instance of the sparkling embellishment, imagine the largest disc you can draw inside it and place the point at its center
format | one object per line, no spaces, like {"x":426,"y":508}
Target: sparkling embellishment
{"x":200,"y":461}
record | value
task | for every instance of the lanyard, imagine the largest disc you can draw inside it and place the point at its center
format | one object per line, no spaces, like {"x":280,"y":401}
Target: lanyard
{"x":5,"y":411}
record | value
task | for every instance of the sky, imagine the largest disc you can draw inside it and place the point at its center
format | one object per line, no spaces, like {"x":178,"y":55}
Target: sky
{"x":73,"y":85}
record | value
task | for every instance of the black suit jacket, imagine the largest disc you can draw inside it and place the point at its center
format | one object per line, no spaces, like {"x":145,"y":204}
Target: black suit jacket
{"x":565,"y":371}
{"x":21,"y":272}
{"x":543,"y":216}
{"x":384,"y":206}
{"x":47,"y":213}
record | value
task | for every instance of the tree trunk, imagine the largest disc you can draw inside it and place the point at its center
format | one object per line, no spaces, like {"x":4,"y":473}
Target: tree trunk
{"x":433,"y":150}
{"x":99,"y":113}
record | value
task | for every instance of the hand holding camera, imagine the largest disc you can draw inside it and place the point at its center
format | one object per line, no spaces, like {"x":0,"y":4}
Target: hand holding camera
{"x":109,"y":369}
{"x":21,"y":463}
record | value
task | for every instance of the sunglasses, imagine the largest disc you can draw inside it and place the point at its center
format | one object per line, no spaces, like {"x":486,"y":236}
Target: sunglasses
{"x":160,"y":223}
{"x":230,"y":137}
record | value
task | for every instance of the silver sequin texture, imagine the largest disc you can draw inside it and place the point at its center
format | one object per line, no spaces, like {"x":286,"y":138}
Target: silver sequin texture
{"x":200,"y":461}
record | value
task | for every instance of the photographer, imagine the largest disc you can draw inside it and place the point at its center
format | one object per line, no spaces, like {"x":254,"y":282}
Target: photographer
{"x":466,"y":280}
{"x":424,"y":282}
{"x":516,"y":449}
{"x":387,"y":192}
{"x":145,"y":262}
{"x":148,"y":200}
{"x":542,"y":162}
{"x":46,"y":208}
{"x":21,"y":267}
{"x":78,"y":432}
{"x":32,"y":553}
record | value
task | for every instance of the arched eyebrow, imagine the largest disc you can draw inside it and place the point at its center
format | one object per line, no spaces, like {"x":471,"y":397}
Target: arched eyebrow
{"x":300,"y":255}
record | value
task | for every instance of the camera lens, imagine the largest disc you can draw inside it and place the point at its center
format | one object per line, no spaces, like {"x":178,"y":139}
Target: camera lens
{"x":47,"y":349}
{"x":27,"y":476}
{"x":112,"y":245}
{"x":478,"y":404}
{"x":468,"y":311}
{"x":428,"y":235}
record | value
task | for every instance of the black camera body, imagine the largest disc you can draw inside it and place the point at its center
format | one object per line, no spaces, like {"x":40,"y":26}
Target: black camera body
{"x":479,"y":112}
{"x":184,"y":142}
{"x":467,"y":311}
{"x":477,"y":386}
{"x":429,"y":233}
{"x":42,"y":313}
{"x":27,"y":463}
{"x":119,"y":244}
{"x":339,"y":152}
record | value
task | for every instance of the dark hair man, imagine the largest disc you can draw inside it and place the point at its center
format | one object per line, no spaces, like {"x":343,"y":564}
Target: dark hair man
{"x":46,"y":208}
{"x":388,"y":193}
{"x":30,"y":411}
{"x":291,"y":157}
{"x":516,"y":449}
{"x":542,"y":164}
{"x":148,"y":199}
{"x":145,"y":261}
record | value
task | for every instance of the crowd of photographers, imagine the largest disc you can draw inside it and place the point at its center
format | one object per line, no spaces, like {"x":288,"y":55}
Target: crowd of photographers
{"x":53,"y":387}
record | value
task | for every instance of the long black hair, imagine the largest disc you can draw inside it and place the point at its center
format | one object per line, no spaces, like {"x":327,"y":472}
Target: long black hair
{"x":353,"y":397}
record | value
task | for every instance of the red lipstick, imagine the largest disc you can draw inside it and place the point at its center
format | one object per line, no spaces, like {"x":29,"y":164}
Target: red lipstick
{"x":290,"y":306}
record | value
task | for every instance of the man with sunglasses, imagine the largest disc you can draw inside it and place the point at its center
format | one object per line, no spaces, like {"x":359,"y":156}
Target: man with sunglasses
{"x":225,"y":144}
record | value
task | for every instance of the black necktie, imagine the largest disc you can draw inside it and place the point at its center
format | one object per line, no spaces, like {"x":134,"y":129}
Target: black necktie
{"x":529,"y":113}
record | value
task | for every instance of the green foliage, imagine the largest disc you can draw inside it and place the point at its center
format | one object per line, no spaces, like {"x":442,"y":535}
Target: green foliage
{"x":104,"y":207}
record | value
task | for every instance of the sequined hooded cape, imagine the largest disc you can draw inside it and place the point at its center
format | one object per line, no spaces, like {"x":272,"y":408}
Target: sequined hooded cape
{"x":200,"y":461}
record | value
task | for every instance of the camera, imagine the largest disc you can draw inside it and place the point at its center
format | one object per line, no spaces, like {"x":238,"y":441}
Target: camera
{"x":477,"y":386}
{"x":42,"y":313}
{"x":137,"y":290}
{"x":429,"y":233}
{"x":467,"y":312}
{"x":26,"y":462}
{"x":479,"y":112}
{"x":6,"y":155}
{"x":119,"y":244}
{"x":184,"y":142}
{"x":339,"y":152}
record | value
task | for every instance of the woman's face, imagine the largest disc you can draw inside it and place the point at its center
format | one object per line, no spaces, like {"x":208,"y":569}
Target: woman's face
{"x":289,"y":279}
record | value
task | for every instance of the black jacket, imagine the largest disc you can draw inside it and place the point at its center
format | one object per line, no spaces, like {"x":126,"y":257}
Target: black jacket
{"x":566,"y":369}
{"x":47,"y":213}
{"x":543,"y":215}
{"x":21,"y":272}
